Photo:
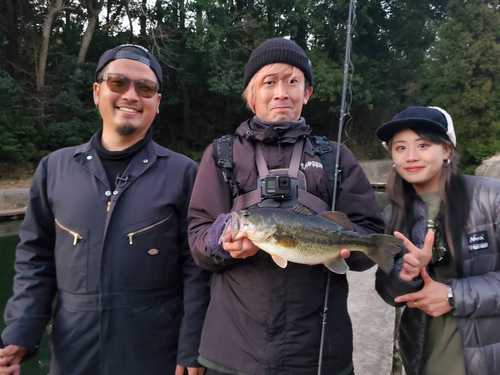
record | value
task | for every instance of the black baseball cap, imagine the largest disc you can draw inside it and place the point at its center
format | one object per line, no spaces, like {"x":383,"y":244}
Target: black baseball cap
{"x":131,"y":52}
{"x":434,"y":118}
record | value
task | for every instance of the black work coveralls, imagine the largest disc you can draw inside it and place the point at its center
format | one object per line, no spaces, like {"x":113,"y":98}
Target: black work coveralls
{"x":131,"y":300}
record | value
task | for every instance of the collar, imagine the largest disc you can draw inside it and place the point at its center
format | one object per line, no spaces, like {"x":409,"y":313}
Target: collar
{"x":274,"y":132}
{"x":151,"y":148}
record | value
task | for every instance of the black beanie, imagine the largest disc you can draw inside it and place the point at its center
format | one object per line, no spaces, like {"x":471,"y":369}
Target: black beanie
{"x":278,"y":50}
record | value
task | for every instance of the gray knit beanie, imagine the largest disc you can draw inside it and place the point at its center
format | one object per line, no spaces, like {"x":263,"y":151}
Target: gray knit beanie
{"x":278,"y":50}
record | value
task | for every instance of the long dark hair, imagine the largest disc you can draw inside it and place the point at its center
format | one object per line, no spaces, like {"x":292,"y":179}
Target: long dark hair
{"x":452,"y":189}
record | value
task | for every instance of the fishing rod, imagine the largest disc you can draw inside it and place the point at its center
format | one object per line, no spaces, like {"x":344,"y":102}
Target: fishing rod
{"x":337,"y":170}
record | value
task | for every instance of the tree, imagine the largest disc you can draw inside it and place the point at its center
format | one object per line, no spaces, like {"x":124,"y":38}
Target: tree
{"x":463,"y":77}
{"x":55,"y":7}
{"x":93,"y":11}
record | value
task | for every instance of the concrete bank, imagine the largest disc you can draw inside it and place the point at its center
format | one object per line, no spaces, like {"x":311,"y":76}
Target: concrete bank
{"x":373,"y":325}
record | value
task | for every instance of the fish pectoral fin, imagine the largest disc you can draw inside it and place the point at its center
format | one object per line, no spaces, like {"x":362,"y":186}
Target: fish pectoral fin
{"x":338,"y":217}
{"x":337,"y":265}
{"x":280,"y":261}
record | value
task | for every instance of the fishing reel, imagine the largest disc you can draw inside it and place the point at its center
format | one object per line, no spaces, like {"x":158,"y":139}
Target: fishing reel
{"x":276,"y":187}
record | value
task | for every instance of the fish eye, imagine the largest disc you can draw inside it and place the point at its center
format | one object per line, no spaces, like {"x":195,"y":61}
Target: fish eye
{"x":246,"y":214}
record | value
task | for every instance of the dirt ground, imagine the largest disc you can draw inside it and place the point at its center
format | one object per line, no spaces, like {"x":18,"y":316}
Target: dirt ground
{"x":14,"y":184}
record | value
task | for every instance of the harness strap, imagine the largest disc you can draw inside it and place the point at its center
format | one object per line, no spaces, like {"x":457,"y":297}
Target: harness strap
{"x":248,"y":199}
{"x":293,"y":170}
{"x":261,"y":162}
{"x":311,"y":201}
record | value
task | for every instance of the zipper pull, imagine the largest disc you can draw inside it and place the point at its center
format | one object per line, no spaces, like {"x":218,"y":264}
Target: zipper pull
{"x":76,"y":237}
{"x":130,"y":235}
{"x":109,"y":205}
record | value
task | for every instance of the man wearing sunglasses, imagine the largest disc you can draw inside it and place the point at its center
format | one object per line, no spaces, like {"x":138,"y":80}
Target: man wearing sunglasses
{"x":106,"y":231}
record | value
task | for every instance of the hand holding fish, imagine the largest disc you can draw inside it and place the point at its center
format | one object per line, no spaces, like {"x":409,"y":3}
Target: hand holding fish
{"x":431,"y":299}
{"x":10,"y":357}
{"x":240,"y":248}
{"x":181,"y":370}
{"x":416,"y":259}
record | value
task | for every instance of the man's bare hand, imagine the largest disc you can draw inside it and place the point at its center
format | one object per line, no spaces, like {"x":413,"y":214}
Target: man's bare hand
{"x":10,"y":357}
{"x":181,"y":370}
{"x":344,"y":253}
{"x":239,"y":249}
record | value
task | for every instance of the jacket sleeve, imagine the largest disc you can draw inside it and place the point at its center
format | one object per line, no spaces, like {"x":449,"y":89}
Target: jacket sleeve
{"x":196,"y":291}
{"x":29,"y":310}
{"x":356,"y":199}
{"x":211,"y":197}
{"x":479,"y":296}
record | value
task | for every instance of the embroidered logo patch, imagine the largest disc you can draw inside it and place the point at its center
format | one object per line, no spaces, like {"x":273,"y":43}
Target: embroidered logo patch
{"x":153,"y":252}
{"x":478,"y":241}
{"x":311,"y":164}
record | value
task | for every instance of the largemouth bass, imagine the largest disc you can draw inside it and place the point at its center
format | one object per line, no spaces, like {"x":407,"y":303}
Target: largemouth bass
{"x":290,"y":236}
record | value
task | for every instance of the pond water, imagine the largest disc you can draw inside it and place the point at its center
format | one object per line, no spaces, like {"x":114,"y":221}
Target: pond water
{"x":40,"y":364}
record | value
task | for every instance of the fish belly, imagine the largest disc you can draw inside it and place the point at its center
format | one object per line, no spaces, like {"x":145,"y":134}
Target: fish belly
{"x":310,"y":255}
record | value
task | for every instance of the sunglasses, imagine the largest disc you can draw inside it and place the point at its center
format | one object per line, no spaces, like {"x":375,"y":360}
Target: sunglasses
{"x":120,"y":84}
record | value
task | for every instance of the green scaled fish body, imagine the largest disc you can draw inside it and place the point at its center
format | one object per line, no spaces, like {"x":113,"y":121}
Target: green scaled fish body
{"x":289,"y":236}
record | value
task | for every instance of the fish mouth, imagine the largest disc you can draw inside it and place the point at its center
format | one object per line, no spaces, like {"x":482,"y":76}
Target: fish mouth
{"x":234,"y":223}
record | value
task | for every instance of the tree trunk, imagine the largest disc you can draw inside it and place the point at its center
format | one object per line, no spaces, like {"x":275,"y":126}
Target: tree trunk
{"x":182,"y":15}
{"x":186,"y":112}
{"x":160,"y":12}
{"x":108,"y":11}
{"x":199,"y":19}
{"x":93,"y":13}
{"x":13,"y":36}
{"x":55,"y":7}
{"x":127,"y":11}
{"x":142,"y":18}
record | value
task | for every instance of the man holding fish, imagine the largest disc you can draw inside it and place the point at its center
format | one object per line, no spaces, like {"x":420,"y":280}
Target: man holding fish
{"x":262,"y":190}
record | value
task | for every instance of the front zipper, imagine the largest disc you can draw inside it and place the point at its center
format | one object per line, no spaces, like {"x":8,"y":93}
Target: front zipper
{"x":76,"y":236}
{"x":132,"y":234}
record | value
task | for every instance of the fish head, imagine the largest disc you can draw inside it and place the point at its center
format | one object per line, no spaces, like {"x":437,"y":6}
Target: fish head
{"x":254,"y":224}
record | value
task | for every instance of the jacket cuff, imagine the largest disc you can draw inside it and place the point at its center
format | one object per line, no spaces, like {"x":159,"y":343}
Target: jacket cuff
{"x":212,"y":245}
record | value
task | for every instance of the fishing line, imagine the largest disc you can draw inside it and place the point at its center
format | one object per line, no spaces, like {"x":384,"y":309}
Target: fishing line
{"x":351,"y":65}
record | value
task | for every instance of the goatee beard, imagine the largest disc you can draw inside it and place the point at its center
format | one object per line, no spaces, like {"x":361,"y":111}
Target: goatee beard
{"x":125,"y":130}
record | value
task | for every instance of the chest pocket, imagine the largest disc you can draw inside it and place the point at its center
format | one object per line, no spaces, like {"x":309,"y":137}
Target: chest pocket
{"x":71,"y":256}
{"x":482,"y":249}
{"x":150,"y":253}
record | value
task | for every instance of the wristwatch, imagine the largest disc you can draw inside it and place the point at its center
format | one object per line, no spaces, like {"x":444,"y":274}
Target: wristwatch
{"x":450,"y":299}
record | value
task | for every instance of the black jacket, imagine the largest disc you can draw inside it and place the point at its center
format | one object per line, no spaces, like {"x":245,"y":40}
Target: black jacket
{"x":477,"y":294}
{"x":131,"y":300}
{"x":263,"y":319}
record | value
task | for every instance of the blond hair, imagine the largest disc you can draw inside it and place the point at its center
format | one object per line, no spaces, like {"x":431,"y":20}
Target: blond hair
{"x":270,"y":69}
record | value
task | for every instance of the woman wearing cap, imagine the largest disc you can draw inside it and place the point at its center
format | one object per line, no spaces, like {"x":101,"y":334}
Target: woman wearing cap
{"x":448,"y":273}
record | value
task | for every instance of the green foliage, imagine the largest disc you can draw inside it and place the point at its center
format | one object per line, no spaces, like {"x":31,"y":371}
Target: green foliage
{"x":17,"y":133}
{"x":463,"y":77}
{"x":203,"y":45}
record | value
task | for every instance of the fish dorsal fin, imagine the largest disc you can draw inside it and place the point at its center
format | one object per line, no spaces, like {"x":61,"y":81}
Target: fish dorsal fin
{"x":280,"y":261}
{"x":300,"y":209}
{"x":338,"y":265}
{"x":337,"y":217}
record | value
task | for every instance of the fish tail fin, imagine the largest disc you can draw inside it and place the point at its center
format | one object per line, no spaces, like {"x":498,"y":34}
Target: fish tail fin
{"x":384,"y":249}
